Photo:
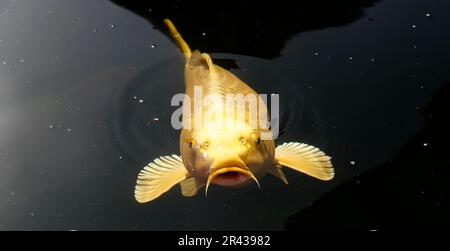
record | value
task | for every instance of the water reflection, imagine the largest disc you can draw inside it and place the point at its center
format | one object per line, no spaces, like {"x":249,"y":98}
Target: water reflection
{"x":247,"y":27}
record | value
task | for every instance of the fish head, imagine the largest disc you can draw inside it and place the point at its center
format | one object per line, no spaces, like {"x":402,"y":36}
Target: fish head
{"x":226,"y":157}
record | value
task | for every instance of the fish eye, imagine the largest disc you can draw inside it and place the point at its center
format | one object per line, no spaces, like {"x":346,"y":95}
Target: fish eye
{"x":205,"y":145}
{"x":191,"y":143}
{"x":243,"y":140}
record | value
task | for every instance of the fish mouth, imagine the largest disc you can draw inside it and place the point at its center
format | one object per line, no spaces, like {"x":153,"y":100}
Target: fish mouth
{"x":230,"y":176}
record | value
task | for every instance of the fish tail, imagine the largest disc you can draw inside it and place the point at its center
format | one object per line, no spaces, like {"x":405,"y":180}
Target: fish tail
{"x":178,"y":39}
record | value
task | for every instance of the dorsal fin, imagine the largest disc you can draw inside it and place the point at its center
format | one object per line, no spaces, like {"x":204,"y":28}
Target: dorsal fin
{"x":198,"y":59}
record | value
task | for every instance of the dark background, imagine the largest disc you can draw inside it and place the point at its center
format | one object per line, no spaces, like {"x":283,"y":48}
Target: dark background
{"x":82,"y":81}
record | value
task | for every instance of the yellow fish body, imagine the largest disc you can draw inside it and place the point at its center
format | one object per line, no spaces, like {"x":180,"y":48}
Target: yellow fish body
{"x":220,"y":147}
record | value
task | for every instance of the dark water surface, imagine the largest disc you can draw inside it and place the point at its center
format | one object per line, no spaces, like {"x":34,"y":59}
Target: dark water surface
{"x":85,"y":91}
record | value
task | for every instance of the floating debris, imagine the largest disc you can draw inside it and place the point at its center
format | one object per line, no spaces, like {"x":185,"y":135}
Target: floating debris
{"x":22,"y":60}
{"x":112,"y":26}
{"x":428,"y":15}
{"x":316,"y":54}
{"x":120,"y":157}
{"x":51,"y":126}
{"x":425,"y":144}
{"x":141,"y":101}
{"x":413,"y":26}
{"x":352,"y":162}
{"x":156,"y":119}
{"x":350,"y":58}
{"x":94,"y":30}
{"x":68,"y":130}
{"x":153,"y":46}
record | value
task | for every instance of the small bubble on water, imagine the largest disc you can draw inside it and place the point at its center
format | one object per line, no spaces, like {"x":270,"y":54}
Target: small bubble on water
{"x":372,"y":60}
{"x":413,"y":26}
{"x":135,"y":97}
{"x":149,"y":10}
{"x":22,"y":60}
{"x":352,"y":162}
{"x":425,"y":144}
{"x":141,"y":101}
{"x":4,"y":62}
{"x":204,"y":34}
{"x":51,"y":126}
{"x":94,"y":30}
{"x":153,"y":46}
{"x":350,"y":58}
{"x":156,"y":119}
{"x":428,"y":15}
{"x":316,"y":54}
{"x":120,"y":157}
{"x":112,"y":26}
{"x":68,"y":130}
{"x":31,"y":214}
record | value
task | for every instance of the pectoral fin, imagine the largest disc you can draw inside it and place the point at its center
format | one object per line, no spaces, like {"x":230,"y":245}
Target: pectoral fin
{"x":306,"y":159}
{"x":189,"y":187}
{"x":277,"y":172}
{"x":158,"y":177}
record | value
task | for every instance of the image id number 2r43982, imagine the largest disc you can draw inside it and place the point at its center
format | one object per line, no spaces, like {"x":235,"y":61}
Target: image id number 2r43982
{"x":232,"y":240}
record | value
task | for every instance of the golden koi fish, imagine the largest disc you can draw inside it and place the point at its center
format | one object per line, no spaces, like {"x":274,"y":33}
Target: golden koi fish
{"x":227,"y":156}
